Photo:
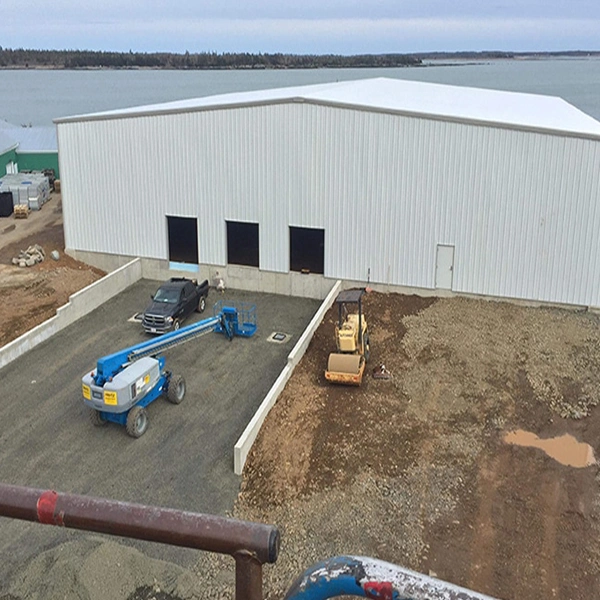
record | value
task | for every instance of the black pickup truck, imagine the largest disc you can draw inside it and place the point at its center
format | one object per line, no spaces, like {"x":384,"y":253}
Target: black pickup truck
{"x":173,"y":302}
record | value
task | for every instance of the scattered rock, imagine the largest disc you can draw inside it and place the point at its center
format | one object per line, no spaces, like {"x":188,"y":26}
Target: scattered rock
{"x":27,"y":258}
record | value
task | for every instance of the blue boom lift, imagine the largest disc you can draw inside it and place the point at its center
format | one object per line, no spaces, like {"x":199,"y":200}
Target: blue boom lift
{"x":126,"y":382}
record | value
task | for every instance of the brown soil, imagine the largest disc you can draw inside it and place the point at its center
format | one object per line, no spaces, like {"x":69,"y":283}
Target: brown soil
{"x":414,"y":470}
{"x":29,"y":296}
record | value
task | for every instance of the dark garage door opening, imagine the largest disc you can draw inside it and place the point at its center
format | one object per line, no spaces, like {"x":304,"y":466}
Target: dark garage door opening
{"x":307,"y":250}
{"x":183,"y":239}
{"x":242,"y":243}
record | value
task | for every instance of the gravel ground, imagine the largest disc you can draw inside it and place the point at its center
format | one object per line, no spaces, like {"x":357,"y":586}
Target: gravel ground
{"x":411,"y":470}
{"x":414,"y":470}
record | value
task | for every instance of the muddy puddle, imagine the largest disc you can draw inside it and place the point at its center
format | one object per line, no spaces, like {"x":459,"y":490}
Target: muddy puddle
{"x":564,"y":449}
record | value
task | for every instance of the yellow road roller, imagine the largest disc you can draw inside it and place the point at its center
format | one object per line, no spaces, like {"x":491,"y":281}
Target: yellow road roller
{"x":347,"y":365}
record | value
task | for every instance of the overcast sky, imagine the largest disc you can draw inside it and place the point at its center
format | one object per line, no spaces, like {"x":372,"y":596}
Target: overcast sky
{"x":303,"y":26}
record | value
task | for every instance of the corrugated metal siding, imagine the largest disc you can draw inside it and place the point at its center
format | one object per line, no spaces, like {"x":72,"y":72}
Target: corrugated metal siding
{"x":520,"y":208}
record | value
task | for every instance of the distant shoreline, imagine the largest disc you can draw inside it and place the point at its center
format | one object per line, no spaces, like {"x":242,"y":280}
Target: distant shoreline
{"x":75,"y":60}
{"x":430,"y":63}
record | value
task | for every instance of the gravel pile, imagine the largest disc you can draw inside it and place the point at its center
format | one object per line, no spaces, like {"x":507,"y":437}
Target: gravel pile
{"x":557,"y":350}
{"x":97,"y":568}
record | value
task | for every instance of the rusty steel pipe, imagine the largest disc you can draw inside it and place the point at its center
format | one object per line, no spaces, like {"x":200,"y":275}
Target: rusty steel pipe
{"x":164,"y":525}
{"x":248,"y":577}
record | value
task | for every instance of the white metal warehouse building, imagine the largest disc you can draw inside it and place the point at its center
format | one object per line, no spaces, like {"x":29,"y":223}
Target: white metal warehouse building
{"x":397,"y":183}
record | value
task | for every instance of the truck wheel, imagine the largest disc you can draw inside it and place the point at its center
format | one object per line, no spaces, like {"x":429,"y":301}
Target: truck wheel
{"x":201,"y":304}
{"x":176,"y":391}
{"x":96,"y":418}
{"x":176,"y":324}
{"x":137,"y":422}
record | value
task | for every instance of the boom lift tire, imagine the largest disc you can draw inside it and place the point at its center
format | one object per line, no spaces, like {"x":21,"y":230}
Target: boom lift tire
{"x":201,"y":304}
{"x":137,"y":422}
{"x":176,"y":391}
{"x":96,"y":418}
{"x":125,"y":383}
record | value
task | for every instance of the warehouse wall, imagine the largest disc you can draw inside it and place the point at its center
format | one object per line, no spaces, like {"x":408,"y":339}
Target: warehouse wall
{"x":32,"y":161}
{"x":519,"y":207}
{"x":5,"y":159}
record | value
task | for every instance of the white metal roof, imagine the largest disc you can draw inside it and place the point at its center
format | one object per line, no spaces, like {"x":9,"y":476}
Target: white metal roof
{"x":27,"y":139}
{"x":7,"y":142}
{"x":530,"y":111}
{"x":36,"y":139}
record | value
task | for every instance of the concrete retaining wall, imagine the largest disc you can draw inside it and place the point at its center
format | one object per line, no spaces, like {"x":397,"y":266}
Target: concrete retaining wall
{"x":80,"y":304}
{"x":236,"y":277}
{"x":292,"y":284}
{"x":244,"y":443}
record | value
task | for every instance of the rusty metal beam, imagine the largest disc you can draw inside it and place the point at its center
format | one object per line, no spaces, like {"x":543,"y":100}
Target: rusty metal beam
{"x":167,"y":526}
{"x":248,"y":577}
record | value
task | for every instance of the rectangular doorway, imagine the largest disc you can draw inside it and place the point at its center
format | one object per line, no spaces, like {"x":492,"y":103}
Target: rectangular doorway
{"x":307,"y":250}
{"x":444,"y":267}
{"x":242,"y":243}
{"x":183,"y":239}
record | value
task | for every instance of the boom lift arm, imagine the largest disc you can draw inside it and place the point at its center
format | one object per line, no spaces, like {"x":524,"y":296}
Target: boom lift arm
{"x":126,"y":382}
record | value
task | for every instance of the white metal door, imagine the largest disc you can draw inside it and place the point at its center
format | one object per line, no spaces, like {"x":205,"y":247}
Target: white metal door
{"x":444,"y":267}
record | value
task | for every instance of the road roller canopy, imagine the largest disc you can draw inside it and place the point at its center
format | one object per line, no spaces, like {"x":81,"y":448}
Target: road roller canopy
{"x":349,"y":296}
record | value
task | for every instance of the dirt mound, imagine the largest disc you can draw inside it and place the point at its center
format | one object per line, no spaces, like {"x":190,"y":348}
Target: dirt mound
{"x":29,"y":296}
{"x":97,"y":569}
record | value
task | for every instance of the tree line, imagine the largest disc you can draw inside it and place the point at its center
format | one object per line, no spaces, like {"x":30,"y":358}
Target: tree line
{"x":86,"y":59}
{"x":21,"y":58}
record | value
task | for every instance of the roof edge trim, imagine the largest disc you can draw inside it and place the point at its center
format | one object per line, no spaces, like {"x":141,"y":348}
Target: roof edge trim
{"x":9,"y":149}
{"x":345,"y":105}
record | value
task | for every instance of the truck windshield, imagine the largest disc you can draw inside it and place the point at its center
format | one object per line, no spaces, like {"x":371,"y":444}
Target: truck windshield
{"x":167,"y":295}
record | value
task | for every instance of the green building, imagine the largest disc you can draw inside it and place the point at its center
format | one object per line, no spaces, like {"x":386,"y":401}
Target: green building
{"x":8,"y":154}
{"x":27,"y":149}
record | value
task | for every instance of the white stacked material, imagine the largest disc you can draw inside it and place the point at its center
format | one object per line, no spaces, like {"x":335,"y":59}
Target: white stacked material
{"x":32,"y":189}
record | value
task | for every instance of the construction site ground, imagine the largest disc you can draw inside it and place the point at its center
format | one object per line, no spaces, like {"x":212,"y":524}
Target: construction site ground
{"x":414,"y":470}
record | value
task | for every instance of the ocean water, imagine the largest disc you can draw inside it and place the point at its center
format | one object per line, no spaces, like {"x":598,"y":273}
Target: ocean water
{"x":37,"y":97}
